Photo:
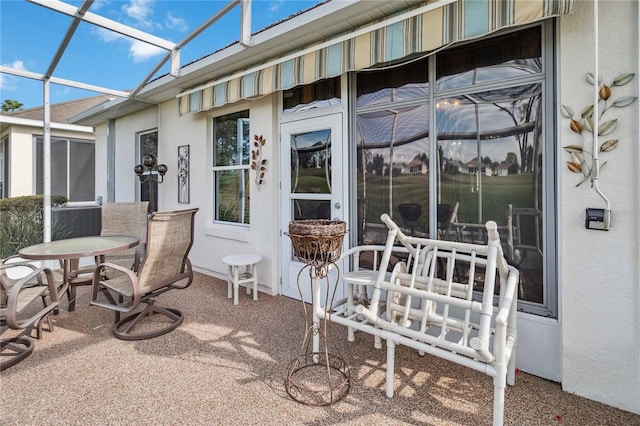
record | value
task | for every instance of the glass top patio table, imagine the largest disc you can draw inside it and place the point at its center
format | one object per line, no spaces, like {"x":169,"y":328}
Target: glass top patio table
{"x":72,"y":248}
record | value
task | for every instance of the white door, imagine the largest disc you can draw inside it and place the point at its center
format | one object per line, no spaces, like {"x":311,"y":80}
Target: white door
{"x":312,"y":188}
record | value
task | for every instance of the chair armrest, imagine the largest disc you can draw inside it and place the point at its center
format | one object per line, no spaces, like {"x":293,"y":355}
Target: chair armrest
{"x":24,"y":292}
{"x":188,"y":275}
{"x":139,"y":255}
{"x":98,"y":275}
{"x":509,"y":298}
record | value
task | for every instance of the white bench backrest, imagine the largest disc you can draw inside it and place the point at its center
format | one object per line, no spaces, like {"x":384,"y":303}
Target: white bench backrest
{"x":432,"y":299}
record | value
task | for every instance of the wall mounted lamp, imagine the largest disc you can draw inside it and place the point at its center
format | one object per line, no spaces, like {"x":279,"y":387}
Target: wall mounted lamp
{"x":150,"y":171}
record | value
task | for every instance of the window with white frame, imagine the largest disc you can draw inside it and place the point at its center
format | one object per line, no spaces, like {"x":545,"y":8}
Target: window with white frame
{"x":231,"y":159}
{"x":72,"y":168}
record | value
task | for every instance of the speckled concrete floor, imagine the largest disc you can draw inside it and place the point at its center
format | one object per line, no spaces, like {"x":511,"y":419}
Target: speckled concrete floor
{"x":225,"y":365}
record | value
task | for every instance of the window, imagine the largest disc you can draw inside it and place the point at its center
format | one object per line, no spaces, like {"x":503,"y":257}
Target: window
{"x":321,"y":94}
{"x":393,"y":148}
{"x":231,"y":159}
{"x":72,"y":168}
{"x":483,"y":160}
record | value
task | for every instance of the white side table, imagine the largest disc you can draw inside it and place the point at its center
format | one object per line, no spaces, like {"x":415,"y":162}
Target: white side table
{"x":235,"y":277}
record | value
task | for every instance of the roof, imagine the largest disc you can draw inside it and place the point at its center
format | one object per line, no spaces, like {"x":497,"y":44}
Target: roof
{"x":60,"y":112}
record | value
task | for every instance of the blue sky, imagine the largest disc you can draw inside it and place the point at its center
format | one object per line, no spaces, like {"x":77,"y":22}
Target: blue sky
{"x":30,"y":35}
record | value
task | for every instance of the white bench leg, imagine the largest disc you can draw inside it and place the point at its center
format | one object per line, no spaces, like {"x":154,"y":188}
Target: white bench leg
{"x":377,"y":342}
{"x":499,"y":385}
{"x":254,"y":272}
{"x":230,"y":282}
{"x":351,"y":309}
{"x":391,"y":349}
{"x":235,"y":285}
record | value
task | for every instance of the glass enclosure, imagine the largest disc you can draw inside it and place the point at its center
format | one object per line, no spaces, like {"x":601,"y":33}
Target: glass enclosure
{"x":487,"y":107}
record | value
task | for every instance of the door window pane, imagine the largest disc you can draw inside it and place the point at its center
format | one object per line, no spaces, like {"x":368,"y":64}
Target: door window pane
{"x":311,"y":162}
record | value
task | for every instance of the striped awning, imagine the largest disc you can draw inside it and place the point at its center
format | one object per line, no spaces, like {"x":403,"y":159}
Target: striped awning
{"x":422,"y":33}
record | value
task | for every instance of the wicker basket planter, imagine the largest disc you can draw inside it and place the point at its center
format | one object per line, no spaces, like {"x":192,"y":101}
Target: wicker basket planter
{"x":317,"y":242}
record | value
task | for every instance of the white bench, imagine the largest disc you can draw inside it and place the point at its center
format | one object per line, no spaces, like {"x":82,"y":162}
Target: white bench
{"x":431,"y":306}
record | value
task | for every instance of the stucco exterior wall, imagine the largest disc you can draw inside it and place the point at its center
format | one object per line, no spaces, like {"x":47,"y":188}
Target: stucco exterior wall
{"x":600,"y":299}
{"x":214,"y":241}
{"x":127,"y":129}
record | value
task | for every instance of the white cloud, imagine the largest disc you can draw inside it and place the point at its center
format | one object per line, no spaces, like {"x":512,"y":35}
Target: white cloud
{"x":276,"y":5}
{"x":141,"y":51}
{"x":7,"y":81}
{"x":99,"y":4}
{"x":176,"y":22}
{"x":107,"y":35}
{"x":140,"y":11}
{"x":18,"y":64}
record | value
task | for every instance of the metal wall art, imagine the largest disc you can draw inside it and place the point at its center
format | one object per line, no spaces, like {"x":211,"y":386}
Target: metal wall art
{"x":258,"y":164}
{"x":183,"y":174}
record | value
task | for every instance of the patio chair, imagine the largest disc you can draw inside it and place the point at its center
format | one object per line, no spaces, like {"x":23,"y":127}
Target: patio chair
{"x":165,"y":267}
{"x":128,"y":218}
{"x":121,"y":218}
{"x":18,"y":310}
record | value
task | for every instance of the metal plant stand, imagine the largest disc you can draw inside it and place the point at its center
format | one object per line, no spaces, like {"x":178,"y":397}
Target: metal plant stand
{"x":317,"y":377}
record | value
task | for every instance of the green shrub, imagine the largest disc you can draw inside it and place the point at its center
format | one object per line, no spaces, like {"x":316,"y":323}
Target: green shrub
{"x":22,"y":223}
{"x":29,"y":203}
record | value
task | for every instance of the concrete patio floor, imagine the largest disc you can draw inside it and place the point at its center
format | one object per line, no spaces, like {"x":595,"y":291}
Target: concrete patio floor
{"x":225,"y":365}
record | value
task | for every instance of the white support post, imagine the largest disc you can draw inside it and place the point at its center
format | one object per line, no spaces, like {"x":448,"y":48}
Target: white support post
{"x":46,"y":162}
{"x":175,"y":62}
{"x":245,"y":23}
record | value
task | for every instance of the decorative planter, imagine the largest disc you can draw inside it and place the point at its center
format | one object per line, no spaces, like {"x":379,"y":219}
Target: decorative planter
{"x":317,"y":242}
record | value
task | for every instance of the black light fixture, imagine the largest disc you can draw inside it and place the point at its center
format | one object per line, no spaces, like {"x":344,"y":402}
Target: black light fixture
{"x":145,"y":172}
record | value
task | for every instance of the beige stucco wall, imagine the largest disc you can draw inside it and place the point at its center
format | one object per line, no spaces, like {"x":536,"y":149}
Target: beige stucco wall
{"x":600,"y":276}
{"x":213,"y":241}
{"x":126,"y":130}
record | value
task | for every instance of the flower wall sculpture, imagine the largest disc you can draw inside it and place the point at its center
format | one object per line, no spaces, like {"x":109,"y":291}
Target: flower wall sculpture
{"x":258,"y":164}
{"x":581,"y":154}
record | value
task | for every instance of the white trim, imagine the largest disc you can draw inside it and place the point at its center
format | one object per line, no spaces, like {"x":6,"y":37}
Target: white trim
{"x":62,"y":81}
{"x":229,"y":232}
{"x":20,"y":121}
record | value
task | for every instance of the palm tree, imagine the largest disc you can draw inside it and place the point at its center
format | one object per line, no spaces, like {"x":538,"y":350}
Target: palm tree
{"x":10,"y":105}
